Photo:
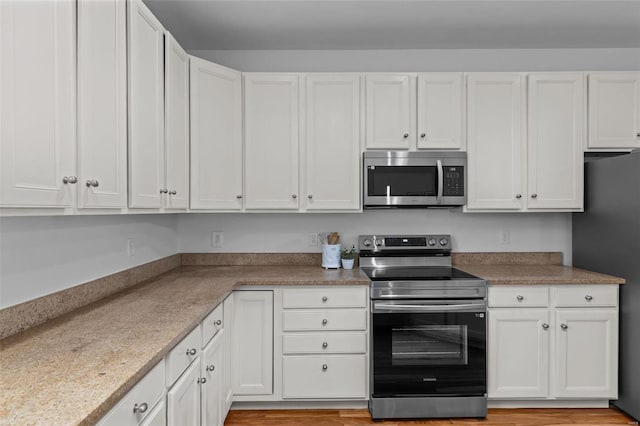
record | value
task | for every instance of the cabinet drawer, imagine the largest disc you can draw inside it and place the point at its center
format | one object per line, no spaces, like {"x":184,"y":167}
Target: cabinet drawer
{"x":328,"y":297}
{"x":182,"y":355}
{"x":324,"y":319}
{"x":147,"y":391}
{"x":320,"y":343}
{"x":588,"y":295}
{"x":519,"y":296}
{"x":332,"y":376}
{"x":212,"y":324}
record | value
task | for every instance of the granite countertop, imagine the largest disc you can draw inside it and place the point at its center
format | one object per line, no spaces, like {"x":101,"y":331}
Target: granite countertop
{"x":520,"y":274}
{"x":73,"y":369}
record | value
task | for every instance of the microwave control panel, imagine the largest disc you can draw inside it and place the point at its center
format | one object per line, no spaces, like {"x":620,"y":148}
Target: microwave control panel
{"x":453,"y":181}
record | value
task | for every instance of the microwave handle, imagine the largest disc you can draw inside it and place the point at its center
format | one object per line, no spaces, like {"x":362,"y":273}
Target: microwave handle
{"x":440,"y":181}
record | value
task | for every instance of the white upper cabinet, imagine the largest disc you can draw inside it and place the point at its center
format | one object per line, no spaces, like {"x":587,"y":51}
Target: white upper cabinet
{"x":556,"y":131}
{"x":332,"y":143}
{"x":37,"y":103}
{"x":495,"y":141}
{"x":146,"y":107}
{"x":216,"y":136}
{"x":614,"y":110}
{"x":388,"y":112}
{"x":271,"y":141}
{"x":102,"y":104}
{"x":176,"y":147}
{"x":440,"y":111}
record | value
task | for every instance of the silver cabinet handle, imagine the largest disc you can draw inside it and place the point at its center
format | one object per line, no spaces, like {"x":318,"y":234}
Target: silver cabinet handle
{"x":324,"y":321}
{"x":140,"y":408}
{"x":564,"y":326}
{"x":440,"y":180}
{"x":545,"y":326}
{"x":163,"y":190}
{"x":310,"y":196}
{"x":638,"y":135}
{"x":294,"y":196}
{"x":173,"y":192}
{"x":202,"y":380}
{"x":325,"y":344}
{"x":239,"y":197}
{"x":69,"y":179}
{"x":92,"y":183}
{"x":325,"y":367}
{"x":191,"y":351}
{"x":406,"y":135}
{"x":423,"y":135}
{"x":518,"y":196}
{"x":588,"y":297}
{"x":520,"y":298}
{"x":325,"y":298}
{"x":534,"y":195}
{"x":218,"y":322}
{"x":210,"y":367}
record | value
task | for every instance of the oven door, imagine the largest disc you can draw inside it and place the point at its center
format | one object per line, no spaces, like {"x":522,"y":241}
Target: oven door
{"x":429,"y":348}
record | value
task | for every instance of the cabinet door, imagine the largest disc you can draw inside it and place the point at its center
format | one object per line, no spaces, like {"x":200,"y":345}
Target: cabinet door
{"x":518,"y":353}
{"x":227,"y":354}
{"x":102,"y":104}
{"x":614,"y":110}
{"x":495,"y":141}
{"x":440,"y":111}
{"x":176,"y":125}
{"x":216,"y":136}
{"x":211,"y":371}
{"x":157,"y":416}
{"x":555,"y":141}
{"x":388,"y":112}
{"x":183,"y":399}
{"x":253,"y":342}
{"x":146,"y":107}
{"x":37,"y":103}
{"x":271,"y":141}
{"x":586,"y":353}
{"x":333,"y":143}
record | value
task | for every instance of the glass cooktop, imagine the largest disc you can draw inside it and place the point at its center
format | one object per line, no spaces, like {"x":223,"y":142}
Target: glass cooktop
{"x":414,"y":273}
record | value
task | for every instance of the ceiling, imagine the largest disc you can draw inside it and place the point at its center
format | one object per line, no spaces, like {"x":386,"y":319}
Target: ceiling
{"x":400,"y":24}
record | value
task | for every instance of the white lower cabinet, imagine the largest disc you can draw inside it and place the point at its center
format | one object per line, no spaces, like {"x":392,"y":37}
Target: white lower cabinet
{"x":227,"y":356}
{"x":572,"y":339}
{"x":324,"y":376}
{"x":183,"y":399}
{"x":211,"y":382}
{"x":157,"y":416}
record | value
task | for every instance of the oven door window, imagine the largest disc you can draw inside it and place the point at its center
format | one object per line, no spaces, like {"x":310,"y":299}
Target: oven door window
{"x":402,"y":181}
{"x":429,"y":353}
{"x":429,"y":345}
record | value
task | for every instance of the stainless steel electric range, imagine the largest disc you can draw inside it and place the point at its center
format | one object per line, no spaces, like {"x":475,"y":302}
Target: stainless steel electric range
{"x":428,"y":322}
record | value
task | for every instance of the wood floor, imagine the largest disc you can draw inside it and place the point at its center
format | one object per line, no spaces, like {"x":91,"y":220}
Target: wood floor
{"x":501,"y":417}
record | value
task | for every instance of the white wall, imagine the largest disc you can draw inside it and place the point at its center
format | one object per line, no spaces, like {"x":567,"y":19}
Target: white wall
{"x":42,"y":255}
{"x":426,"y":60}
{"x":290,"y":232}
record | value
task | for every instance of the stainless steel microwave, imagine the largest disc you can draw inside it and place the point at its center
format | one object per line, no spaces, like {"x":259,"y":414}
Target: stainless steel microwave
{"x":414,"y":179}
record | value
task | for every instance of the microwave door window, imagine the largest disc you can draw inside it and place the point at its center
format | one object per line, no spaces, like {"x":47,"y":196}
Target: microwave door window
{"x":402,"y":181}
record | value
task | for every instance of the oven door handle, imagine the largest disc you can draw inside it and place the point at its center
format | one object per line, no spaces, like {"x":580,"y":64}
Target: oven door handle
{"x":440,"y":181}
{"x":463,"y":307}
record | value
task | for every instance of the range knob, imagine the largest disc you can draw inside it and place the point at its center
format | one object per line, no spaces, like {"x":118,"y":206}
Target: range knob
{"x":444,"y":241}
{"x":432,"y":242}
{"x":366,"y":243}
{"x":379,"y":242}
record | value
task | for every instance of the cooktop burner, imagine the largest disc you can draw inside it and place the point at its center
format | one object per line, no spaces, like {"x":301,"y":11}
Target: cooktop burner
{"x":414,"y":273}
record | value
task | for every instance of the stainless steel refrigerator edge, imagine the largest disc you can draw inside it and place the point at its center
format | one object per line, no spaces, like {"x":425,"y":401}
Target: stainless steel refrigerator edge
{"x":606,"y":239}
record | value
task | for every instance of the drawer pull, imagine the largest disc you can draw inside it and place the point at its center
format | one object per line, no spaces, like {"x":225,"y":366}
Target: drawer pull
{"x":324,"y":367}
{"x":191,"y":351}
{"x":545,"y":326}
{"x":324,"y":321}
{"x":520,"y":298}
{"x":202,"y":380}
{"x":324,"y":345}
{"x":140,"y":408}
{"x":219,"y":322}
{"x":211,"y":367}
{"x":589,"y":298}
{"x":325,"y":298}
{"x":564,"y":326}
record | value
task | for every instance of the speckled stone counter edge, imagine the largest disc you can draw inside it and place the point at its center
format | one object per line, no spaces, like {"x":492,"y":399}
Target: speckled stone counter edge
{"x":15,"y":319}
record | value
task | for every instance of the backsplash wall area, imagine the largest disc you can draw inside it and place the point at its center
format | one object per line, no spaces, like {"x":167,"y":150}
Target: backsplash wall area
{"x":42,"y":255}
{"x":291,"y":232}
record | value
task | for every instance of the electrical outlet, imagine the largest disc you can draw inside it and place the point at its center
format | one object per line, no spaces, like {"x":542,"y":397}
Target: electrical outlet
{"x":217,"y":239}
{"x":313,"y":239}
{"x":505,"y":237}
{"x":131,"y":248}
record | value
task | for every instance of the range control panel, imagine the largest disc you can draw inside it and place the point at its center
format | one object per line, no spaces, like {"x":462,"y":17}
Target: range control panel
{"x":453,"y":182}
{"x":404,"y":242}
